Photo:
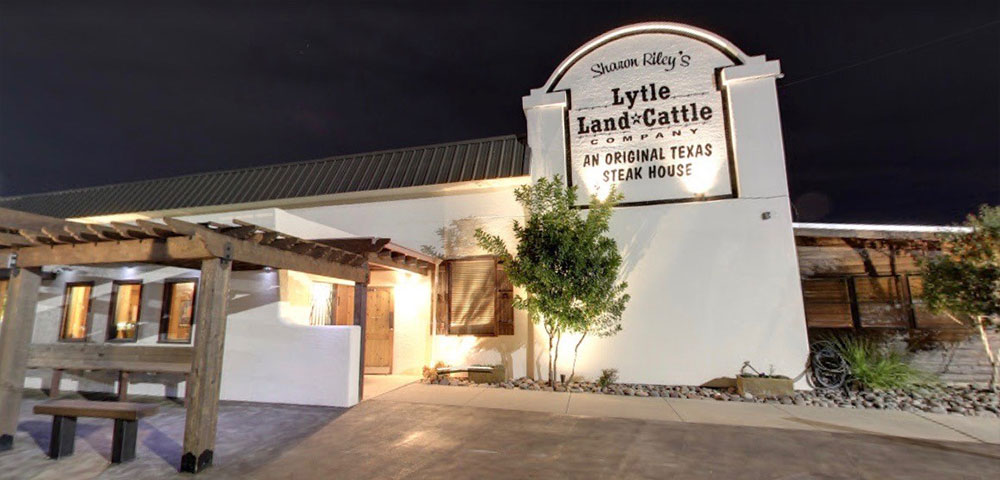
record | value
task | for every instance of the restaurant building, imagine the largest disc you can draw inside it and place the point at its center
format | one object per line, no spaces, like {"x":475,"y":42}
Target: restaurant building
{"x":678,"y":119}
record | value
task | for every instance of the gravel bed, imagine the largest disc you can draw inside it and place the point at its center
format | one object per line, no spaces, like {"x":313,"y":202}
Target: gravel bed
{"x":969,"y":400}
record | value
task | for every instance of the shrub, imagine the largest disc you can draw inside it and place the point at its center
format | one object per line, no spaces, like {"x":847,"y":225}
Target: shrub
{"x":876,"y":366}
{"x":430,"y":373}
{"x":608,"y":377}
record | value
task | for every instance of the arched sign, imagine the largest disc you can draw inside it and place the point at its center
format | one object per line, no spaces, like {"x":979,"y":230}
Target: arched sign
{"x":646,"y":114}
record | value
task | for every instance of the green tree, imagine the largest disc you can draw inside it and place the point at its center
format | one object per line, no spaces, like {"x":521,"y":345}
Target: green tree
{"x":566,"y":263}
{"x":964,"y":280}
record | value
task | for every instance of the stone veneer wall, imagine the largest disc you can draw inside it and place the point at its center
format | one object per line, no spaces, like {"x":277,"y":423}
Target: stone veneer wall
{"x":964,"y":361}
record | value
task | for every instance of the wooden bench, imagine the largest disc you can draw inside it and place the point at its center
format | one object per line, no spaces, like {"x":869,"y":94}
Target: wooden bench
{"x":65,"y":412}
{"x":124,"y":359}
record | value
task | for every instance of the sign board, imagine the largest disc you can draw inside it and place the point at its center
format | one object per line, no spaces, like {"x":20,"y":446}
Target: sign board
{"x":646,"y":115}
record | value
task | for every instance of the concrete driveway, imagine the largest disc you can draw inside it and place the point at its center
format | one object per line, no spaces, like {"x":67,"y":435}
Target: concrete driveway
{"x":397,"y":436}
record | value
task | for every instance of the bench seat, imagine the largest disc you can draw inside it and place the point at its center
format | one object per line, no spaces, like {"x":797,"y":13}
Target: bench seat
{"x":125,"y":414}
{"x":87,"y":408}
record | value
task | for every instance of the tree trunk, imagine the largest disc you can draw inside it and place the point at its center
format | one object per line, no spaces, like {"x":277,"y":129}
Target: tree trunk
{"x":576,"y":353}
{"x":551,"y":334}
{"x":555,"y":363}
{"x":995,"y":372}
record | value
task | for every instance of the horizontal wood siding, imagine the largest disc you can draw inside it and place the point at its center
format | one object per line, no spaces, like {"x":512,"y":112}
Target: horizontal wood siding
{"x":827,"y":302}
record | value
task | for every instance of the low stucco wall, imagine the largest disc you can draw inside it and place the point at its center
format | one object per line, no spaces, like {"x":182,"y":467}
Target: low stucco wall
{"x":271,"y":353}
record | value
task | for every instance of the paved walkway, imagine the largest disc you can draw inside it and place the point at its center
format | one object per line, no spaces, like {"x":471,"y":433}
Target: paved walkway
{"x":924,"y":426}
{"x":431,"y":432}
{"x":376,"y":385}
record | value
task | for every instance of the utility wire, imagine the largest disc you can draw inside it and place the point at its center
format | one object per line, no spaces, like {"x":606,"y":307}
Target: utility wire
{"x":890,"y":54}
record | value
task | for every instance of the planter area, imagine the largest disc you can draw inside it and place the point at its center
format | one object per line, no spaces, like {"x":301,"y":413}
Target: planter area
{"x":958,"y":400}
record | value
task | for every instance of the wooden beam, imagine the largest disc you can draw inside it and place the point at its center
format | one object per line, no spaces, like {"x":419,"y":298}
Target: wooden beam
{"x":58,"y":235}
{"x":30,"y":221}
{"x":157,"y":229}
{"x":83,"y":233}
{"x":356,"y":245}
{"x":361,"y":320}
{"x":423,"y":257}
{"x":106,"y":232}
{"x":377,"y":260}
{"x":131,"y":231}
{"x":202,"y":387}
{"x":348,"y":257}
{"x":242,"y":233}
{"x":285,"y":243}
{"x":249,"y":252}
{"x":15,"y":337}
{"x":160,"y":251}
{"x":11,"y":240}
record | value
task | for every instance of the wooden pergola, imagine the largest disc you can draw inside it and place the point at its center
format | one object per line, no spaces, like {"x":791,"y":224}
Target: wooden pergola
{"x":29,"y":242}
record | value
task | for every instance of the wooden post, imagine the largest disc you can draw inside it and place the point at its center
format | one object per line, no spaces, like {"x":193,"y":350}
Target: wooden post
{"x":54,"y":382}
{"x":123,"y":386}
{"x":206,"y":365}
{"x":360,"y":319}
{"x":15,"y":338}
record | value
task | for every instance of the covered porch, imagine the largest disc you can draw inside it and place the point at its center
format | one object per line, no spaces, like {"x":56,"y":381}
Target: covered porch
{"x":29,"y":243}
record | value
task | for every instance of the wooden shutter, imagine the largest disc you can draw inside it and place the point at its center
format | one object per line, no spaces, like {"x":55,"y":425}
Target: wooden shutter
{"x":504,"y":302}
{"x":440,"y":325}
{"x":827,"y":302}
{"x":472,"y":292}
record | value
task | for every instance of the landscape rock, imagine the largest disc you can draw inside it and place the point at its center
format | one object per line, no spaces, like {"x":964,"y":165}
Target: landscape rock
{"x":968,"y":400}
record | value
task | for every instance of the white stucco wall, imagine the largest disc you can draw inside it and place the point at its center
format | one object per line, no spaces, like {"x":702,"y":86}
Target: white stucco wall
{"x":446,"y":224}
{"x":271,"y":353}
{"x":712,"y":283}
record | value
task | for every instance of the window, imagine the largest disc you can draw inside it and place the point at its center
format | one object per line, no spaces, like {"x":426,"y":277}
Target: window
{"x":478,"y":298}
{"x":123,"y":319}
{"x":827,"y":302}
{"x":76,"y":307}
{"x":323,"y":303}
{"x":178,"y":311}
{"x":3,"y":296}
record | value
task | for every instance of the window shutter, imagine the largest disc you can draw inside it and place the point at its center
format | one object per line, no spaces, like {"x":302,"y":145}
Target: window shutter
{"x":504,"y":302}
{"x":472,"y":292}
{"x":440,"y":325}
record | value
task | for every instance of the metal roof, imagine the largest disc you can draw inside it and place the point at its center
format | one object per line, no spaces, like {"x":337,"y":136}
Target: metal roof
{"x":479,"y":159}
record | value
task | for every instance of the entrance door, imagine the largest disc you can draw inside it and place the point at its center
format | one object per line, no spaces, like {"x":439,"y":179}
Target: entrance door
{"x":378,"y":331}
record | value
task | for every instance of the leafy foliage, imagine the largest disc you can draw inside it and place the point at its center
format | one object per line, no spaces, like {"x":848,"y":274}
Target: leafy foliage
{"x":565,"y":262}
{"x":876,"y":366}
{"x":964,"y":281}
{"x":965,"y":278}
{"x":609,"y":376}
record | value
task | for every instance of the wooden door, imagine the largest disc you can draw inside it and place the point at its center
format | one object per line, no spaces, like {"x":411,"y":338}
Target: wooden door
{"x":379,"y":331}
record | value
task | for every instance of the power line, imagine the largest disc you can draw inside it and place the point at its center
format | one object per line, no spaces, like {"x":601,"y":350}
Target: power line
{"x":890,"y":54}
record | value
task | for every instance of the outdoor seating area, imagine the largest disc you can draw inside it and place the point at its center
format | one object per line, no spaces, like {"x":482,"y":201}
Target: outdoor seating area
{"x":29,"y":242}
{"x":65,"y":413}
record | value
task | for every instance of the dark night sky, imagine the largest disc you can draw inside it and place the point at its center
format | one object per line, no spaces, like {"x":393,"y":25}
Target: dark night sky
{"x":891,"y":111}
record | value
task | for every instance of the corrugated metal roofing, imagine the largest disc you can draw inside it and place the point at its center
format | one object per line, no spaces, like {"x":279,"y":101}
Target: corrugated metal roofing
{"x":480,"y":159}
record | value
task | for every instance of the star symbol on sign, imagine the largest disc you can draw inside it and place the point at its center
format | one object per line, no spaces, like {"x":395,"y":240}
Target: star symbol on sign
{"x":636,"y":118}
